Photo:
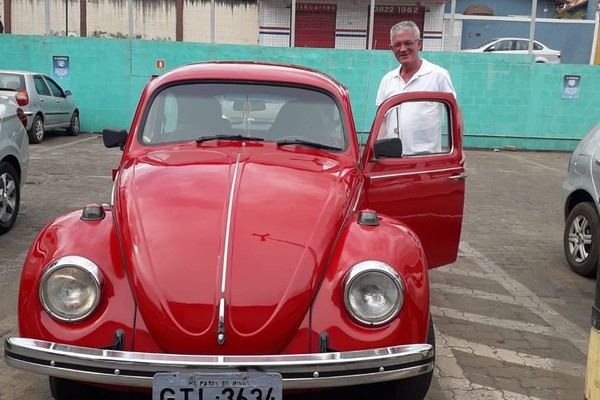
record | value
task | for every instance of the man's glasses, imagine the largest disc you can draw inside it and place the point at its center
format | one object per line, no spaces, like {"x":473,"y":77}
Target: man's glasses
{"x":406,"y":43}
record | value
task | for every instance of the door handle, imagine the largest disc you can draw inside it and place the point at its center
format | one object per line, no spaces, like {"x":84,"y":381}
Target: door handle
{"x":597,"y":161}
{"x":462,"y":176}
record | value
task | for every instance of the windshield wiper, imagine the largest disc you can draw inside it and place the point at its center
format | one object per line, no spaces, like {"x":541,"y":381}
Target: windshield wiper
{"x":228,"y":137}
{"x":307,"y":143}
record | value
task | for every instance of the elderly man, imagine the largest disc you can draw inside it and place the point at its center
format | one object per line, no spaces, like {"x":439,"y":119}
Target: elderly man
{"x":417,"y":124}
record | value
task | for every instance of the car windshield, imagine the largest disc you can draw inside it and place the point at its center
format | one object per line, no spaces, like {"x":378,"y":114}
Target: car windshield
{"x":204,"y":112}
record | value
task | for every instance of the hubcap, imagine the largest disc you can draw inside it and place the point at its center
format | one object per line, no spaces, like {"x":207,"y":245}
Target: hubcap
{"x":8,"y":197}
{"x":39,"y":130}
{"x":580,"y":239}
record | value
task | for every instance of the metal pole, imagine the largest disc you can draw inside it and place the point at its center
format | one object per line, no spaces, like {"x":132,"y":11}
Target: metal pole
{"x":371,"y":20}
{"x":47,"y":16}
{"x":532,"y":25}
{"x":592,"y":373}
{"x":452,"y":18}
{"x":212,"y":21}
{"x":595,"y":39}
{"x":130,"y":16}
{"x":66,"y":17}
{"x":293,"y":25}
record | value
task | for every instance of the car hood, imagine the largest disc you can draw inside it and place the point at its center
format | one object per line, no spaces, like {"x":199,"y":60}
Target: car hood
{"x":255,"y":230}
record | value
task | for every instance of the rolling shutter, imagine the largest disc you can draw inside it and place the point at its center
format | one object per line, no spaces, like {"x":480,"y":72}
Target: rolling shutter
{"x":315,"y":25}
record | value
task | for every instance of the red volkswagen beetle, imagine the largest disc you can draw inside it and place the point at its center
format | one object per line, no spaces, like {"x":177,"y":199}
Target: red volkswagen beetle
{"x":252,"y":247}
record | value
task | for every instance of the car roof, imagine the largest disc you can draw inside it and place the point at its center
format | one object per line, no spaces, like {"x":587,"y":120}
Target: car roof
{"x":514,"y":38}
{"x":252,"y":71}
{"x":10,"y":71}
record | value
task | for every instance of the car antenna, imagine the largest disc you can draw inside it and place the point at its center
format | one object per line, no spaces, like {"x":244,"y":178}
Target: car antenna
{"x":362,"y":129}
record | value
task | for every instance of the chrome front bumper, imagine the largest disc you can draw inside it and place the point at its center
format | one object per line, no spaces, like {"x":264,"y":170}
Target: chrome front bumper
{"x":299,"y":371}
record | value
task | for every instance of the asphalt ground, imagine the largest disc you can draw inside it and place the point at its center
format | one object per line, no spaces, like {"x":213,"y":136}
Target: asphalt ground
{"x":512,"y":320}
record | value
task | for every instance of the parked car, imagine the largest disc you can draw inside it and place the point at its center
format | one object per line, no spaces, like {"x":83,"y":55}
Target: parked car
{"x":542,"y":53}
{"x":581,"y":237}
{"x":46,"y":105}
{"x":14,"y":160}
{"x":236,"y":261}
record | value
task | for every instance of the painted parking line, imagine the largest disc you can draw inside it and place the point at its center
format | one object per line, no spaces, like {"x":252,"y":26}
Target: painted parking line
{"x":449,"y":374}
{"x":48,"y":149}
{"x":456,"y":386}
{"x":526,"y":298}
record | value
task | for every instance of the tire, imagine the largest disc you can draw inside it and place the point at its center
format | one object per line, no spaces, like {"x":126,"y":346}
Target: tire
{"x":36,"y":132}
{"x":581,"y":239}
{"x":405,"y":389}
{"x":64,"y":389}
{"x":10,"y":196}
{"x":74,"y":127}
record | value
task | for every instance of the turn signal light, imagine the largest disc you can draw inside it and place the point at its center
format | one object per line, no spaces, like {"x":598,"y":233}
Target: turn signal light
{"x":22,"y":98}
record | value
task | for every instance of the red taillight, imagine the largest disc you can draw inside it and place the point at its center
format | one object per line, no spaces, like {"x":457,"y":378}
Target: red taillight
{"x":22,"y":117}
{"x":22,"y":98}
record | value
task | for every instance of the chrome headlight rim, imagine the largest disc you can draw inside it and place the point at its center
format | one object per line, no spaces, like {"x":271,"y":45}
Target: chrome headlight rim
{"x":366,"y":267}
{"x":81,"y":263}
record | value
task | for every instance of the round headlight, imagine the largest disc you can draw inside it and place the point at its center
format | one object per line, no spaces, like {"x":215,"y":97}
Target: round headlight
{"x":373,"y":292}
{"x":70,"y":288}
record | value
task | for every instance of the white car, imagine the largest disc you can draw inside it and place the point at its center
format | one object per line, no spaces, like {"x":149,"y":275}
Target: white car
{"x":542,"y":53}
{"x":14,"y":160}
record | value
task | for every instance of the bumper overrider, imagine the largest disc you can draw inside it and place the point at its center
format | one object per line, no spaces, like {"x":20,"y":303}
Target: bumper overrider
{"x":299,"y":371}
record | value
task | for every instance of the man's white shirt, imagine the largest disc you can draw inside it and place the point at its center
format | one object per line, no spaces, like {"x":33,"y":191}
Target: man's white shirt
{"x":417,"y":124}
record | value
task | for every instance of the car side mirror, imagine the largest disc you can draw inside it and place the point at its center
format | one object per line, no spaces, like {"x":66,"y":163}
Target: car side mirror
{"x":68,"y":93}
{"x":388,"y":148}
{"x":114,"y":137}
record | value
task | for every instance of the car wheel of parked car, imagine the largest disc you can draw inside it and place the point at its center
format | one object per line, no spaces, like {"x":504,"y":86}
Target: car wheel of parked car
{"x":9,"y":196}
{"x":64,"y":389}
{"x":581,"y":239}
{"x":73,"y":129}
{"x":405,"y":389}
{"x":36,"y":133}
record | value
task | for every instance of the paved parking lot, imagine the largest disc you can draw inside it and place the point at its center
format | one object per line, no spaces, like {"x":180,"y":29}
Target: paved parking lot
{"x":512,"y":321}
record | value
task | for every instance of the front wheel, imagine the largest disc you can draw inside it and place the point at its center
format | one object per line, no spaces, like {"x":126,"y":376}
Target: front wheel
{"x":581,"y":239}
{"x":415,"y":388}
{"x":74,"y":126}
{"x":64,"y":389}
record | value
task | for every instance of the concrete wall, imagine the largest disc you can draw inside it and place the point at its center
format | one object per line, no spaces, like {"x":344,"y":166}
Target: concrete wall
{"x":505,"y":99}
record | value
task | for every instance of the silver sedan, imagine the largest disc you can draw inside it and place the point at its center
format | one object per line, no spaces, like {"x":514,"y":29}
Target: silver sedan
{"x":581,"y":237}
{"x":14,"y":160}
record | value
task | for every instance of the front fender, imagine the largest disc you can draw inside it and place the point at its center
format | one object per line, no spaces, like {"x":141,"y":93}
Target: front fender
{"x":97,"y":241}
{"x":396,"y":245}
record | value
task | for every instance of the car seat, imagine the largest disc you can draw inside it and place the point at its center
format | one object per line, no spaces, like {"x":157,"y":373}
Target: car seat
{"x":200,"y":116}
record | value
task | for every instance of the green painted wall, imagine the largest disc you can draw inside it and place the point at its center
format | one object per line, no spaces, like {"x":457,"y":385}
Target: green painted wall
{"x":506,"y":100}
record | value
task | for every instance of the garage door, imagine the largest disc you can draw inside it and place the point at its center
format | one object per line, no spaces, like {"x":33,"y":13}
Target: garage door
{"x":388,"y":16}
{"x":315,"y":25}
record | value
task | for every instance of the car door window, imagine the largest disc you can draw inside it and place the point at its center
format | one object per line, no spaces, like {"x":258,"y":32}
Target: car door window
{"x":422,"y":127}
{"x":537,"y":46}
{"x":40,"y":86}
{"x":522,"y":45}
{"x":56,"y":90}
{"x":504,"y":45}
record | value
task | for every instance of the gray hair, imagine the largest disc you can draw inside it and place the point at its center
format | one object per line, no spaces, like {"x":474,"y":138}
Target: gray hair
{"x":404,"y":25}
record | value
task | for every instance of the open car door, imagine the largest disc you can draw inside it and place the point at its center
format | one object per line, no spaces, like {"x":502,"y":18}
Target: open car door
{"x":423,"y":189}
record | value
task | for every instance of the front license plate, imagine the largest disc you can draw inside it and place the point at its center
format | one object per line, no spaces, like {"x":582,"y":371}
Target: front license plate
{"x":226,"y":386}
